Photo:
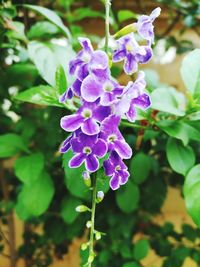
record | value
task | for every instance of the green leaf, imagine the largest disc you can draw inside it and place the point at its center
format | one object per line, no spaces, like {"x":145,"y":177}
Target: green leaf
{"x":73,"y":178}
{"x":68,"y":206}
{"x":42,"y":29}
{"x":189,"y":232}
{"x":61,"y":81}
{"x":141,"y":249}
{"x":192,"y":178}
{"x":168,"y":100}
{"x":180,"y":130}
{"x":34,"y":199}
{"x":127,"y":197}
{"x":41,"y":95}
{"x":180,"y":158}
{"x":48,"y":56}
{"x":17,"y":32}
{"x":102,"y":181}
{"x":11,"y":144}
{"x":191,"y":193}
{"x":125,"y":15}
{"x":84,"y":12}
{"x":51,"y":16}
{"x":140,"y":167}
{"x":131,"y":264}
{"x":29,"y":168}
{"x":190,"y":71}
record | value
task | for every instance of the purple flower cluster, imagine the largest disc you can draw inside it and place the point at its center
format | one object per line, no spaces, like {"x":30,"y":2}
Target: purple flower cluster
{"x":95,"y":126}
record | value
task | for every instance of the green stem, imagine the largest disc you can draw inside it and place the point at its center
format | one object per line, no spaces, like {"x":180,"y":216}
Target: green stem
{"x":107,"y":24}
{"x":91,"y":242}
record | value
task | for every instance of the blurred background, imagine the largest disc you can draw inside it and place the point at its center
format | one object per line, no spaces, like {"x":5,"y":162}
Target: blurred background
{"x":146,"y":221}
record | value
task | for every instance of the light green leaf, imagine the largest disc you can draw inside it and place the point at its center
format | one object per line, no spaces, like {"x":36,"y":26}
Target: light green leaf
{"x":48,"y":56}
{"x":192,"y":178}
{"x":73,"y":178}
{"x":125,"y":15}
{"x":68,"y":209}
{"x":191,"y":193}
{"x":42,"y":29}
{"x":34,"y":199}
{"x":168,"y":100}
{"x":140,"y":167}
{"x":51,"y":16}
{"x":127,"y":197}
{"x":17,"y":31}
{"x":84,"y":12}
{"x":61,"y":81}
{"x":180,"y":158}
{"x":41,"y":95}
{"x":29,"y":168}
{"x":11,"y":144}
{"x":141,"y":249}
{"x":190,"y":71}
{"x":180,"y":130}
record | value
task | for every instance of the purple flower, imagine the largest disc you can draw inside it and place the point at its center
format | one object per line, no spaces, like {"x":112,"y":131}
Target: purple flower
{"x":145,"y":25}
{"x":87,"y":59}
{"x":134,"y":96}
{"x":87,"y":118}
{"x":116,"y":168}
{"x":100,"y":85}
{"x":114,"y":139}
{"x":75,"y":89}
{"x":132,"y":53}
{"x":87,"y":149}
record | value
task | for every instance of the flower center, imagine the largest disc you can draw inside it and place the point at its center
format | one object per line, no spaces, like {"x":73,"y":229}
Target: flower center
{"x":129,"y":47}
{"x":87,"y":113}
{"x":108,"y":87}
{"x":117,"y":168}
{"x":86,"y":57}
{"x":112,"y":138}
{"x":87,"y":150}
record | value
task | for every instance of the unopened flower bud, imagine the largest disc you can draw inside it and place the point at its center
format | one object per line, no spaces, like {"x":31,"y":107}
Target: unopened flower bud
{"x":84,"y":246}
{"x":88,"y":224}
{"x":98,"y":235}
{"x":100,"y":196}
{"x":86,"y":178}
{"x":91,"y":258}
{"x":82,"y":208}
{"x":126,"y":30}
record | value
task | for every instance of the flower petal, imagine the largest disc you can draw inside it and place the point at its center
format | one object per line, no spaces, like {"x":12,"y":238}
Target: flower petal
{"x":90,"y":127}
{"x":115,"y":182}
{"x":144,"y":54}
{"x":77,"y":160}
{"x":132,"y":113}
{"x":71,"y":123}
{"x":108,"y":167}
{"x":107,"y":98}
{"x":76,"y":86}
{"x":119,"y":55}
{"x":143,"y":101}
{"x":82,"y":72}
{"x":77,"y":146}
{"x":100,"y":113}
{"x":100,"y":148}
{"x":66,"y":145}
{"x":123,"y":149}
{"x":68,"y":94}
{"x":124,"y":175}
{"x":91,"y":89}
{"x":130,"y":64}
{"x":86,"y":44}
{"x":91,"y":163}
{"x":99,"y":60}
{"x":74,"y":64}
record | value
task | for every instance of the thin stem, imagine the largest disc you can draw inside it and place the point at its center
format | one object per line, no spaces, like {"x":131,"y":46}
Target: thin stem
{"x":91,"y":242}
{"x":107,"y":24}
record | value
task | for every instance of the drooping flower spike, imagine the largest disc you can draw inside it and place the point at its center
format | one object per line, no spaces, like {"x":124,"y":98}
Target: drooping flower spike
{"x":95,"y":125}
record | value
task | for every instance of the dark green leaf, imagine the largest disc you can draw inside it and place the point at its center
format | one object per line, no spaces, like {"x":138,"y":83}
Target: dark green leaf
{"x":52,"y":16}
{"x":131,"y":264}
{"x":140,"y":167}
{"x":180,"y":158}
{"x":68,"y":206}
{"x":11,"y":144}
{"x":141,"y":249}
{"x":34,"y":199}
{"x":29,"y":168}
{"x":127,"y":197}
{"x":61,"y":81}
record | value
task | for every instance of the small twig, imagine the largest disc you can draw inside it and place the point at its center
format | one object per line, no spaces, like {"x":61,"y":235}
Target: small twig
{"x":171,"y":25}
